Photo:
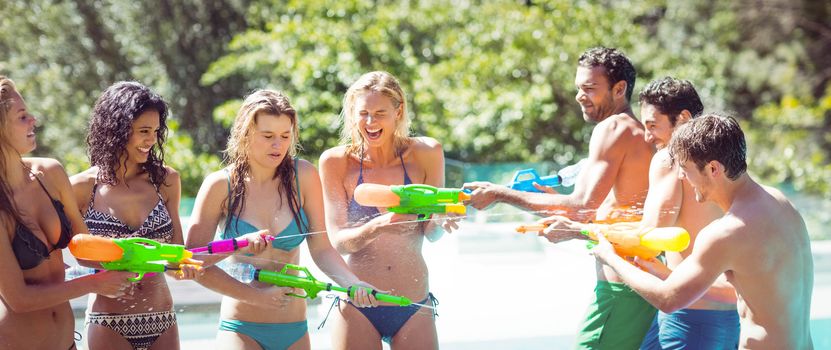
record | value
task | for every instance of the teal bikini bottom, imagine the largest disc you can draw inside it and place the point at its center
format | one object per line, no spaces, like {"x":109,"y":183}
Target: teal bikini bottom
{"x":270,"y":336}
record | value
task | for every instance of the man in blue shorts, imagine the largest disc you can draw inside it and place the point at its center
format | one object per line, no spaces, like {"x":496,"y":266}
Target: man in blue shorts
{"x":712,"y":321}
{"x":760,"y":244}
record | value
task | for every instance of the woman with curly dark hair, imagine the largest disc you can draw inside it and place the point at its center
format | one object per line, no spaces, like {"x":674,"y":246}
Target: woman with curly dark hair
{"x":130,"y":192}
{"x":38,"y":217}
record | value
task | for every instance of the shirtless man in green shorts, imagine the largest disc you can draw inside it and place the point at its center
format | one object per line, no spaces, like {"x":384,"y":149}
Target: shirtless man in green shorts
{"x":760,"y":244}
{"x":711,"y":322}
{"x":614,"y":176}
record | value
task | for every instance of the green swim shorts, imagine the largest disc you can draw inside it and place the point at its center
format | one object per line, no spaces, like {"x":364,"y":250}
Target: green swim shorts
{"x":618,"y":318}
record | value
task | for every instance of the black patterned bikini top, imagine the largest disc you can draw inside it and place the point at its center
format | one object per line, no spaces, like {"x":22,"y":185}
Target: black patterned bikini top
{"x":29,"y":250}
{"x":157,"y":226}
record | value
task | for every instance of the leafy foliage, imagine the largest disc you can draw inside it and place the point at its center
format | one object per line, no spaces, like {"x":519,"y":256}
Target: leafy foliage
{"x":492,"y":80}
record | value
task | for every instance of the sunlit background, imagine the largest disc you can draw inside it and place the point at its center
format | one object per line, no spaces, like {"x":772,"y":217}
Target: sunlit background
{"x":491,"y":80}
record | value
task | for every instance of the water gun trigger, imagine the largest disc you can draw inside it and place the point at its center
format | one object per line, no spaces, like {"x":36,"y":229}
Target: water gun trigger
{"x":139,"y":276}
{"x":455,"y":209}
{"x":189,"y":261}
{"x":294,"y":267}
{"x":464,"y":195}
{"x":538,"y":228}
{"x":308,"y":275}
{"x":306,"y":296}
{"x":526,"y":174}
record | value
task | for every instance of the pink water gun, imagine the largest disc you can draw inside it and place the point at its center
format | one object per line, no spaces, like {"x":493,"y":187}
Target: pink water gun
{"x":226,"y":245}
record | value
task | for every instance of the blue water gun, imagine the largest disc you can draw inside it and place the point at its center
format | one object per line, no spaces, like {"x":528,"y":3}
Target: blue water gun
{"x":524,"y":179}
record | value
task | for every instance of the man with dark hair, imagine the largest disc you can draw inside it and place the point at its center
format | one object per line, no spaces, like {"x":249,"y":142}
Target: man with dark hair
{"x":712,"y":321}
{"x":671,"y":98}
{"x":614,"y":63}
{"x":709,"y":323}
{"x":760,"y":244}
{"x":612,"y":178}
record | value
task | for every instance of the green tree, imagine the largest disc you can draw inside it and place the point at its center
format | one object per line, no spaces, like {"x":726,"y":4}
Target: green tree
{"x":481,"y":77}
{"x":64,"y":53}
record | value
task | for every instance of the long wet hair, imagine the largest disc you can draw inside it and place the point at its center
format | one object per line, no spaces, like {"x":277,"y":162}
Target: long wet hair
{"x":380,"y":82}
{"x":7,"y":208}
{"x":111,"y":125}
{"x":261,"y":103}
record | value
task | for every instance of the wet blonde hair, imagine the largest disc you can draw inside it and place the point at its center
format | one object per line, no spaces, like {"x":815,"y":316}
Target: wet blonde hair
{"x":7,"y":207}
{"x":260,"y":103}
{"x":380,"y":82}
{"x":7,"y":90}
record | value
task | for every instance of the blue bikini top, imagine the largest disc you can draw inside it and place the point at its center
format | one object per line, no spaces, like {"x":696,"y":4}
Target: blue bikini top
{"x":235,"y":227}
{"x":358,"y":213}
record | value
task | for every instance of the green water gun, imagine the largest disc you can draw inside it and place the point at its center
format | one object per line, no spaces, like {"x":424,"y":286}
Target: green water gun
{"x":422,"y":200}
{"x":139,"y":255}
{"x":247,"y":273}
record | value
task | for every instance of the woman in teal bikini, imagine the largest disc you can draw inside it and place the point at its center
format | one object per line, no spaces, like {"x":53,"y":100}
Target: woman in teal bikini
{"x":265,"y":190}
{"x":385,"y":249}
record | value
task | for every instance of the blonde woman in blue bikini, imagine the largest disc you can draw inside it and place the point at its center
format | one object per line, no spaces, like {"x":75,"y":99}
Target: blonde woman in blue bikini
{"x":384,"y":248}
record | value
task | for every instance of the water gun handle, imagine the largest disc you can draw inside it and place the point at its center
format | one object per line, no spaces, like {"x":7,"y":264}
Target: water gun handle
{"x":392,"y":299}
{"x":140,"y":268}
{"x":626,"y":245}
{"x":530,"y":228}
{"x":310,"y":284}
{"x":226,"y":245}
{"x":143,"y":249}
{"x":530,"y":171}
{"x":424,"y":212}
{"x":522,"y":182}
{"x":387,"y":298}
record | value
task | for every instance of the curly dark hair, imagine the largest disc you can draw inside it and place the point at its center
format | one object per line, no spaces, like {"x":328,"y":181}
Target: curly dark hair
{"x":671,"y":96}
{"x":711,"y":137}
{"x":617,"y":65}
{"x":110,"y":127}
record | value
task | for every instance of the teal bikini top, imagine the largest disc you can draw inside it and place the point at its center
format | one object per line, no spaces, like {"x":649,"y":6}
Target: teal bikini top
{"x":293,"y":233}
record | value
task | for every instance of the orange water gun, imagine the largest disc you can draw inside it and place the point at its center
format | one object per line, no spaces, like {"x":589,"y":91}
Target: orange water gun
{"x":139,"y":255}
{"x":422,"y":200}
{"x":630,"y":240}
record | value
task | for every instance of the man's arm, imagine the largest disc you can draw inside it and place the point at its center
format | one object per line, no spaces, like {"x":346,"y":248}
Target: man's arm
{"x":663,"y":201}
{"x":721,"y":291}
{"x":606,"y":154}
{"x":690,"y":280}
